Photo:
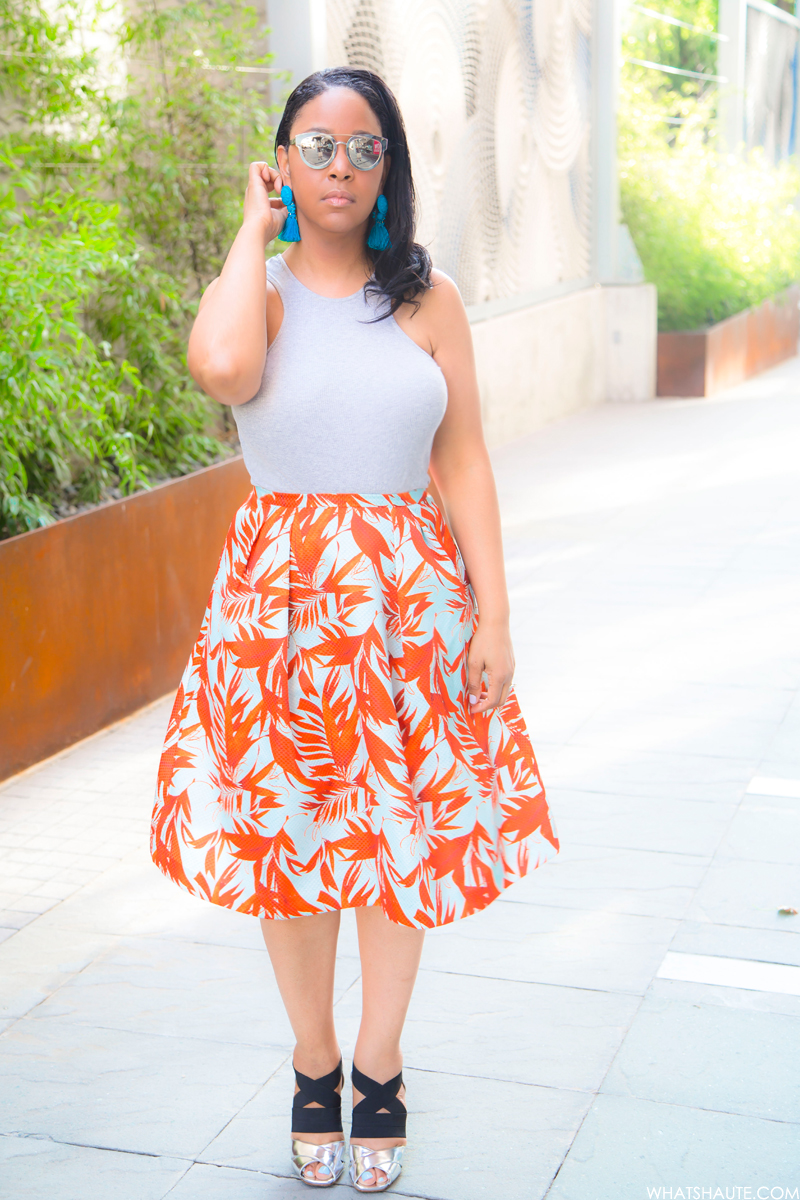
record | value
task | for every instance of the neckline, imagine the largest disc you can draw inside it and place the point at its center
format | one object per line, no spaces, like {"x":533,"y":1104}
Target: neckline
{"x":319,"y":295}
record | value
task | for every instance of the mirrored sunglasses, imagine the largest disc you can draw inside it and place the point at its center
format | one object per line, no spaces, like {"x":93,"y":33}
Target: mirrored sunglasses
{"x":318,"y":150}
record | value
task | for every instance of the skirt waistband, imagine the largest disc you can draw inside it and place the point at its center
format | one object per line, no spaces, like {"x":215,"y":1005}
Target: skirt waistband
{"x":335,"y":499}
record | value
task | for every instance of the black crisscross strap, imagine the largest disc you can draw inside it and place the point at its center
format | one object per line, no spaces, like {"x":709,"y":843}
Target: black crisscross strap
{"x":367,"y":1120}
{"x":328,"y":1118}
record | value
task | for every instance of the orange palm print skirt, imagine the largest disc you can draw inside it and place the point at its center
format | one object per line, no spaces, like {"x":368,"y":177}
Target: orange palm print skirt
{"x":321,"y":753}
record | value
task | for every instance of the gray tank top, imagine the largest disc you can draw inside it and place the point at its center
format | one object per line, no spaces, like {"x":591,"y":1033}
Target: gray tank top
{"x":344,"y":405}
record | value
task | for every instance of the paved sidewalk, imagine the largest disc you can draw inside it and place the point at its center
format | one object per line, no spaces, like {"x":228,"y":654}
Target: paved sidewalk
{"x":556,"y":1044}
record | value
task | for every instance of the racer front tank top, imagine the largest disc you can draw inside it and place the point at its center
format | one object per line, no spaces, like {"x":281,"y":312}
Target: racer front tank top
{"x":344,"y":405}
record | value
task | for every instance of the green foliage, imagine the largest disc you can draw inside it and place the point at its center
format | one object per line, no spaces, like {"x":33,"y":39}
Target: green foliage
{"x":106,"y":240}
{"x":47,"y":77}
{"x":714,"y":239}
{"x":93,"y":394}
{"x":184,"y":134}
{"x":715,"y":234}
{"x":657,"y":99}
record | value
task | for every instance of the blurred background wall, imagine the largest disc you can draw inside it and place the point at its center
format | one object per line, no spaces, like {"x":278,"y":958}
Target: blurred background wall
{"x":758,"y":58}
{"x":509,"y":106}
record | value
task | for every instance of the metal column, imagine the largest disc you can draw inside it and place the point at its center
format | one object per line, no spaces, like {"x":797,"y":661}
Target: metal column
{"x":606,"y":39}
{"x":298,"y":39}
{"x":730,"y":63}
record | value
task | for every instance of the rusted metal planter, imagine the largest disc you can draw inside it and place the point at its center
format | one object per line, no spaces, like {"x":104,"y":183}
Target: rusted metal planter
{"x":704,"y":361}
{"x":98,"y":613}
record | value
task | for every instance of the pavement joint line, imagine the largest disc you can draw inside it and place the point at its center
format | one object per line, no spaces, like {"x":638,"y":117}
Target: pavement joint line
{"x":550,"y":1087}
{"x":699,"y":885}
{"x":47,"y":1137}
{"x":70,"y":975}
{"x":748,"y":974}
{"x":566,"y":1156}
{"x":191,"y":1162}
{"x":573,"y":745}
{"x":725,"y":1112}
{"x":638,"y":849}
{"x":288,"y":1058}
{"x":275,"y":1175}
{"x":627,"y":796}
{"x":744,"y":929}
{"x":573,"y":987}
{"x":614,"y":791}
{"x":178,"y":1181}
{"x":560,"y":908}
{"x":155,"y":1033}
{"x":350,"y":986}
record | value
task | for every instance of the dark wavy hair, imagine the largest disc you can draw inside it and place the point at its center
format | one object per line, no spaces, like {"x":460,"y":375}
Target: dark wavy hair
{"x":403,"y":272}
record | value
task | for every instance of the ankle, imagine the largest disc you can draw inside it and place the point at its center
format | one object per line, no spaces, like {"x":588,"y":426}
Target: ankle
{"x":316,"y":1061}
{"x":380,"y":1063}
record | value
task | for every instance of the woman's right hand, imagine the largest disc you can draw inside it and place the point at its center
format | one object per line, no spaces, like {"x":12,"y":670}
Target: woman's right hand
{"x":258,"y":206}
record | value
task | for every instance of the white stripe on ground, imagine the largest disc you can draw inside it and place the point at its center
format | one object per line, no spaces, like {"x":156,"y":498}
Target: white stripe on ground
{"x":766,"y":785}
{"x":731,"y":972}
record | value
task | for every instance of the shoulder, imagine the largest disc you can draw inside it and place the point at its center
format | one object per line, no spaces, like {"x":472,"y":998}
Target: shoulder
{"x":442,"y":302}
{"x":276,"y":273}
{"x":443,"y":292}
{"x":442,"y":311}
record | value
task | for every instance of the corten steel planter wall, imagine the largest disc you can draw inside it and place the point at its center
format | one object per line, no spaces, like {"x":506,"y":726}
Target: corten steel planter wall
{"x":98,"y":613}
{"x":704,"y":361}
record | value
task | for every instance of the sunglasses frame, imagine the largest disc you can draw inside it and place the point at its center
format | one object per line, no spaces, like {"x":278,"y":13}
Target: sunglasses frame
{"x":321,"y":167}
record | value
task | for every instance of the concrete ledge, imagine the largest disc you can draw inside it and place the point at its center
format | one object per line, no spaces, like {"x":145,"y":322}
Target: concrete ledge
{"x":631,"y":337}
{"x":544,"y":361}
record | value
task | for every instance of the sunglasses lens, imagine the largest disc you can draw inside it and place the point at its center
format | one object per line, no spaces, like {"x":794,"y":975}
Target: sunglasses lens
{"x":317,"y":149}
{"x":364,"y":152}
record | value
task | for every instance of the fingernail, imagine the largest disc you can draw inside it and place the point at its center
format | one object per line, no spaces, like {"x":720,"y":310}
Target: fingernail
{"x":473,"y":699}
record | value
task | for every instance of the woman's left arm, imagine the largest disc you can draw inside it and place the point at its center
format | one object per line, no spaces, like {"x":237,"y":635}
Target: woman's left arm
{"x":462,"y":472}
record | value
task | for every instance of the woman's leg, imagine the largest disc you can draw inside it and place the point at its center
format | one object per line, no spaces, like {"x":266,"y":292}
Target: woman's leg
{"x":303,"y":955}
{"x":390,"y":957}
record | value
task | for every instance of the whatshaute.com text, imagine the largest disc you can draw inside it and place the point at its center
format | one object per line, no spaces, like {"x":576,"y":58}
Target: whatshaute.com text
{"x":729,"y":1193}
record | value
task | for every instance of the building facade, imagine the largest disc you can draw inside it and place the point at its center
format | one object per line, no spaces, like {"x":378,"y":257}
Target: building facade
{"x":509,"y":107}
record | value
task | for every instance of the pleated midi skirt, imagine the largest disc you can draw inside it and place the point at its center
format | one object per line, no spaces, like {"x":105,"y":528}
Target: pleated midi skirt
{"x":321,"y":752}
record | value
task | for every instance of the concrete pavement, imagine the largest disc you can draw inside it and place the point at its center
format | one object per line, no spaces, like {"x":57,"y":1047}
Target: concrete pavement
{"x":610,"y":1028}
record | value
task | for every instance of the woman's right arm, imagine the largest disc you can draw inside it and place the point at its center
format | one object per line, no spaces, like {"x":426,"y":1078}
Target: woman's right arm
{"x":228,"y":342}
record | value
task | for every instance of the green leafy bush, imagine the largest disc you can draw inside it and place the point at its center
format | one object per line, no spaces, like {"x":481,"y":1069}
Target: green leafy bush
{"x":715,"y":238}
{"x":194,"y":114}
{"x":106,"y":240}
{"x":94,"y":397}
{"x":657,"y":100}
{"x":716,"y":234}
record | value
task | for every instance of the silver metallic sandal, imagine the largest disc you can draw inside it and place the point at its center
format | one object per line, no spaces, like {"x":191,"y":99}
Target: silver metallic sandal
{"x":305,"y":1154}
{"x":370,"y":1122}
{"x":325,"y":1119}
{"x":362,"y":1161}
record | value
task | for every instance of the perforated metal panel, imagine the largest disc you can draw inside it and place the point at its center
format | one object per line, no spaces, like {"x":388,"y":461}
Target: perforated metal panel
{"x":496,"y":98}
{"x":771,"y":84}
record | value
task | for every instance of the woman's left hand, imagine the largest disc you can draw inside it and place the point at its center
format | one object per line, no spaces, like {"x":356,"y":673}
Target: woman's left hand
{"x":490,"y":654}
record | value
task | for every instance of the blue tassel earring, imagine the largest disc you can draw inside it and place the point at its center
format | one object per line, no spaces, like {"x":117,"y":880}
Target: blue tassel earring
{"x":291,"y":230}
{"x":378,"y":237}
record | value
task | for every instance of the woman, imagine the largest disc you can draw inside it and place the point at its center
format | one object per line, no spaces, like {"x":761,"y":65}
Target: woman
{"x":346,"y":734}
